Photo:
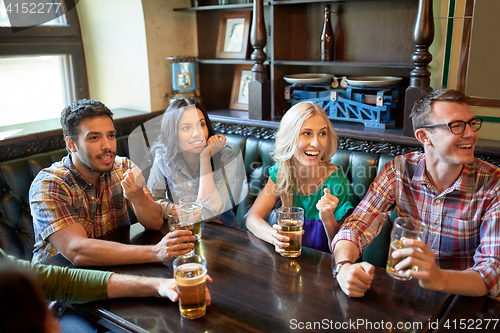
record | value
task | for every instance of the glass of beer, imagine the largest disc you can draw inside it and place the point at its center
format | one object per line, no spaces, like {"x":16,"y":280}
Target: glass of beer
{"x":191,"y":203}
{"x":176,"y":223}
{"x":291,"y":220}
{"x":190,"y":276}
{"x":406,"y":227}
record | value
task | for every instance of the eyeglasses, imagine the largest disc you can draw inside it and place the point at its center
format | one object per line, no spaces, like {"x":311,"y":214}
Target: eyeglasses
{"x":458,"y":127}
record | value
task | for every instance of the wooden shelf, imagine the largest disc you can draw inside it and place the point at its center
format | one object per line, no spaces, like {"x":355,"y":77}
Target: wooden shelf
{"x":266,"y":3}
{"x":356,"y":64}
{"x":227,"y":61}
{"x":217,"y":7}
{"x":295,"y":2}
{"x":374,"y":38}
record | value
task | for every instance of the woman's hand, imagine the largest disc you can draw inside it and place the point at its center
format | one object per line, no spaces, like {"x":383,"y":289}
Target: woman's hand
{"x":279,"y":241}
{"x":327,"y":205}
{"x":214,"y":145}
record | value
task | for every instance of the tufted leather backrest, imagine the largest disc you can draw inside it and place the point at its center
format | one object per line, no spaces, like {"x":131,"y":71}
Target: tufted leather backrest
{"x":16,"y":224}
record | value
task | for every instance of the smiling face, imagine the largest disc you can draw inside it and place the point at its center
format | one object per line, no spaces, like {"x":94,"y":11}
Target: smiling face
{"x":95,"y":149}
{"x":444,"y":146}
{"x":192,"y":131}
{"x":313,"y":141}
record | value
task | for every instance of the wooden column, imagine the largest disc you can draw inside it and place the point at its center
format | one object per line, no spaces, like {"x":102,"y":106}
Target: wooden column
{"x":423,"y":35}
{"x":259,"y":101}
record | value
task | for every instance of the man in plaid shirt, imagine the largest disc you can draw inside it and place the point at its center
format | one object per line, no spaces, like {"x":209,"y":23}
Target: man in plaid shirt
{"x":85,"y":196}
{"x":454,"y":193}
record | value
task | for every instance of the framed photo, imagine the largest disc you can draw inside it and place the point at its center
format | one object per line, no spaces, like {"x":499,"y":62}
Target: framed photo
{"x":239,"y":93}
{"x":234,"y":29}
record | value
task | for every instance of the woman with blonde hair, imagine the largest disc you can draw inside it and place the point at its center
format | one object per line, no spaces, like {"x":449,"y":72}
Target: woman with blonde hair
{"x":304,"y":177}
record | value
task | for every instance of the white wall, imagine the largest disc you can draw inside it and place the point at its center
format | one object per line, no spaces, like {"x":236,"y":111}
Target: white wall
{"x":114,"y":39}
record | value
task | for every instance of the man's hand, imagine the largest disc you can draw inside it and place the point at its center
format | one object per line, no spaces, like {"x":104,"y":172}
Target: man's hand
{"x":172,"y":245}
{"x":132,"y":184}
{"x":417,"y":253}
{"x":356,"y":279}
{"x":169,"y":289}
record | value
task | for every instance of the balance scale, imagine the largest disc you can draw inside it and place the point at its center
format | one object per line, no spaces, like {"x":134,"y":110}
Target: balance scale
{"x":366,"y":100}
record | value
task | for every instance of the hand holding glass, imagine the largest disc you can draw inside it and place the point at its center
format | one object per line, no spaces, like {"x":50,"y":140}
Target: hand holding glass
{"x":191,"y":203}
{"x":406,"y":227}
{"x":190,"y":276}
{"x":291,"y":220}
{"x":175,"y":223}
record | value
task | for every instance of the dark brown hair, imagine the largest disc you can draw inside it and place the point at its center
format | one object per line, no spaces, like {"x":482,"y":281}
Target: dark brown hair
{"x":168,"y":140}
{"x":22,"y":308}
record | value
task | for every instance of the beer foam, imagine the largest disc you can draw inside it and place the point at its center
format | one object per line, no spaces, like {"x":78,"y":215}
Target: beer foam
{"x":187,"y":225}
{"x":192,"y":280}
{"x":191,"y":207}
{"x":293,"y":222}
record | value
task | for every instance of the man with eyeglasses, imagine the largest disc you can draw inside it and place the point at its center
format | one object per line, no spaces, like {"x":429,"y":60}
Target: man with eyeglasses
{"x":454,"y":193}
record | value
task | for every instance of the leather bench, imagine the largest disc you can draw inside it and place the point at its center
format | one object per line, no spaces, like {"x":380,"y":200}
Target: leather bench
{"x":16,"y":227}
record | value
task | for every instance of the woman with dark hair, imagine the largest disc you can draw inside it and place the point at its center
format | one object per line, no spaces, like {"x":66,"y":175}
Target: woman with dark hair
{"x":190,"y":159}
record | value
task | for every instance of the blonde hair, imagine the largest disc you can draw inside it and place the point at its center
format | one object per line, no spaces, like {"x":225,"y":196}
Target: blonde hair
{"x":286,"y":141}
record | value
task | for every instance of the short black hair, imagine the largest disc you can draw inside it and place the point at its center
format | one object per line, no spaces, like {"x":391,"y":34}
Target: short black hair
{"x":79,"y":110}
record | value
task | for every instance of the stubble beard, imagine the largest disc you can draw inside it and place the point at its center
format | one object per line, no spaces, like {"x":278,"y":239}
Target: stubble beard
{"x":85,"y":161}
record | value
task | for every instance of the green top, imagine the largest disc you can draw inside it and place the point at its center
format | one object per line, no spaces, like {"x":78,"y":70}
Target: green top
{"x":315,"y":236}
{"x":337,"y":183}
{"x":67,"y":284}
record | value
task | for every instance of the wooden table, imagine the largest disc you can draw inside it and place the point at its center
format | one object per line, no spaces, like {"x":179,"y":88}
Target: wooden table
{"x":257,"y":290}
{"x":472,"y":314}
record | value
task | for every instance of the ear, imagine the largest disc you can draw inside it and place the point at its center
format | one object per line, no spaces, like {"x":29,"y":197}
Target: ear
{"x":70,"y":144}
{"x":422,"y":135}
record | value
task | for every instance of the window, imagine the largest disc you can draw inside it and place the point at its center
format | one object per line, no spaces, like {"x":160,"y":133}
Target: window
{"x":37,"y":84}
{"x":42,"y":68}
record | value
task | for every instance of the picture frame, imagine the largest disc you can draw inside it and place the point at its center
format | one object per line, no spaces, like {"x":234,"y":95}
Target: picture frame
{"x":234,"y":30}
{"x":239,"y":92}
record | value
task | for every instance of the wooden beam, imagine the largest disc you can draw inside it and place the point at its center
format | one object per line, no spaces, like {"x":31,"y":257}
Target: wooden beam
{"x":259,"y":102}
{"x":423,"y":36}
